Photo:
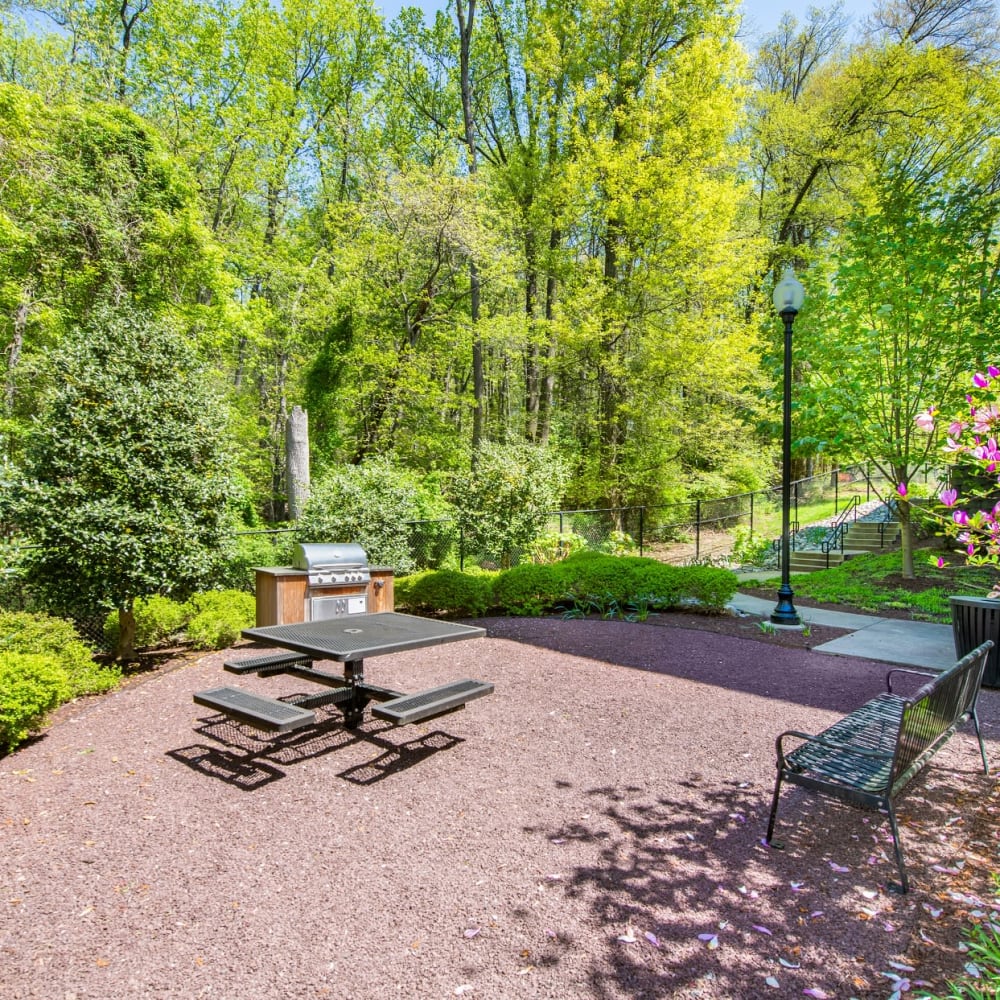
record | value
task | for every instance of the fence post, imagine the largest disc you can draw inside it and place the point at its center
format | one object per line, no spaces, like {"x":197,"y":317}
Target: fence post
{"x":697,"y":529}
{"x":796,"y":528}
{"x":751,"y":517}
{"x":461,"y":549}
{"x":642,"y":511}
{"x":836,"y":490}
{"x":868,"y":484}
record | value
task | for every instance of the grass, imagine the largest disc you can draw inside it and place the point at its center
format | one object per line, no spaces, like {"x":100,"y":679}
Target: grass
{"x":875,"y":583}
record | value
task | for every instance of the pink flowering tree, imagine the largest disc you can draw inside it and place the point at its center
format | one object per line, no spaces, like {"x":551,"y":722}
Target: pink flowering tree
{"x":969,"y":511}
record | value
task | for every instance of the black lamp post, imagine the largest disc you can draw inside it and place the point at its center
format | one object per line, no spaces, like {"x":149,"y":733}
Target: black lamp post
{"x":788,"y":298}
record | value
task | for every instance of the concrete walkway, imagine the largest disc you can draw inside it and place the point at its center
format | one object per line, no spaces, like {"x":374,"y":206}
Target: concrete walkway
{"x":892,"y":640}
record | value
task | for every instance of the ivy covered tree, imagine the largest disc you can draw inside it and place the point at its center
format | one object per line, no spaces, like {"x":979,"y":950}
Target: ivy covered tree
{"x":125,"y":487}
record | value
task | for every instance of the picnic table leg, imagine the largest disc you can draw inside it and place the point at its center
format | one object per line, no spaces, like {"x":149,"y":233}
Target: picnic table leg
{"x":354,"y":707}
{"x":774,"y":812}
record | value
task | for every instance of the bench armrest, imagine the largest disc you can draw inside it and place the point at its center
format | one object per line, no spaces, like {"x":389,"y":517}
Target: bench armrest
{"x":824,"y":742}
{"x":908,"y":670}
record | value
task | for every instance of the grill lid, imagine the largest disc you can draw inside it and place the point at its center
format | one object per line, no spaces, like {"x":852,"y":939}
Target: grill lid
{"x":332,"y":565}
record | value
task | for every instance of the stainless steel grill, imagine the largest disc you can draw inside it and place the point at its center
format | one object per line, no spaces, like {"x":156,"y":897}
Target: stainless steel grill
{"x":332,"y":564}
{"x":337,"y":579}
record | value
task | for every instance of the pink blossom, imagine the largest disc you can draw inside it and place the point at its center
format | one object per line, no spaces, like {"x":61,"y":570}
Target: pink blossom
{"x":940,"y":563}
{"x":993,"y":371}
{"x":955,"y":428}
{"x":980,"y":381}
{"x":925,"y":420}
{"x":960,"y":517}
{"x":901,"y":489}
{"x":949,"y":497}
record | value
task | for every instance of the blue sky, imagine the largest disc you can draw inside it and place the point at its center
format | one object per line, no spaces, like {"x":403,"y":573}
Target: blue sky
{"x":760,"y":16}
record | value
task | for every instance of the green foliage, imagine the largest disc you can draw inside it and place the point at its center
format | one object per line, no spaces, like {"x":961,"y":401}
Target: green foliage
{"x":750,"y":549}
{"x":31,"y":685}
{"x":156,"y":620}
{"x":369,"y":504}
{"x":445,"y":592}
{"x":23,"y":632}
{"x":528,"y":589}
{"x":236,"y":572}
{"x":871,"y":582}
{"x":218,"y":618}
{"x":982,"y":946}
{"x":125,"y":482}
{"x":502,"y":504}
{"x":555,"y":545}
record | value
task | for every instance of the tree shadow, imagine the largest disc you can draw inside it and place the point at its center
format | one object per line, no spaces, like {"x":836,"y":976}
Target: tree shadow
{"x":692,"y":899}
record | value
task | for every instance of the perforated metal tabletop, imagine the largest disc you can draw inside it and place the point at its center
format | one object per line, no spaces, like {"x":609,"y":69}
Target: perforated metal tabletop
{"x":354,"y":637}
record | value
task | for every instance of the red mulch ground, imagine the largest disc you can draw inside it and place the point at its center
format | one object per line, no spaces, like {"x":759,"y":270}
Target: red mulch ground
{"x":591,"y":830}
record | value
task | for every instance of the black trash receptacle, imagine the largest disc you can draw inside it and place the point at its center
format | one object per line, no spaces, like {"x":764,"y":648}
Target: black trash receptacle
{"x":973,"y":621}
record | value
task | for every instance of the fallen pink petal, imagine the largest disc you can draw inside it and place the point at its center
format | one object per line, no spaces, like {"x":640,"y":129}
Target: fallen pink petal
{"x":763,"y":930}
{"x":816,"y":993}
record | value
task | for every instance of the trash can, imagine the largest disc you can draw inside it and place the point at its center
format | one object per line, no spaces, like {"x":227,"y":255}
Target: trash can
{"x":973,"y":621}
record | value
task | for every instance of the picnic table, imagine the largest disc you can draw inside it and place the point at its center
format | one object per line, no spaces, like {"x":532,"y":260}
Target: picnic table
{"x":348,"y":640}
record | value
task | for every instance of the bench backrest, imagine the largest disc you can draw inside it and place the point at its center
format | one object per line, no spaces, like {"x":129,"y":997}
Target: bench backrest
{"x":934,"y":712}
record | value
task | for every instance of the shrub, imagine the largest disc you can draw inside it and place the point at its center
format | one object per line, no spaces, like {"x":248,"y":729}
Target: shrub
{"x":529,"y":589}
{"x":31,"y":685}
{"x":219,"y":616}
{"x":370,"y":504}
{"x":156,"y":620}
{"x":446,"y":592}
{"x":554,"y":546}
{"x":711,"y":586}
{"x":503,"y":503}
{"x":21,"y":632}
{"x":236,"y":572}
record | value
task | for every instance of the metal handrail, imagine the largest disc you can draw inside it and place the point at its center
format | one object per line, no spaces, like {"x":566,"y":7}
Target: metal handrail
{"x":834,"y":538}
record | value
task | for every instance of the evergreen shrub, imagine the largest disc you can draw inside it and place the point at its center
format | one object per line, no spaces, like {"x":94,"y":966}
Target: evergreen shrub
{"x":157,"y":618}
{"x":219,"y":616}
{"x":31,"y":685}
{"x":446,"y":592}
{"x":24,"y":632}
{"x":529,"y":589}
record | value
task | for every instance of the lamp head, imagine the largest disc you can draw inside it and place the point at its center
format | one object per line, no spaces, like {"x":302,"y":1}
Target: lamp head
{"x":788,"y":293}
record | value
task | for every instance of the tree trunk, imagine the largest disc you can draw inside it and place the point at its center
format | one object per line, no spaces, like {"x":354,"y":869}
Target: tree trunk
{"x":465,"y":24}
{"x":297,"y":457}
{"x":126,"y":634}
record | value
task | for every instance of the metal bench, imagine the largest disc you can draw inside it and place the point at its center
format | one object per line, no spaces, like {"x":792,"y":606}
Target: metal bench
{"x":431,"y":703}
{"x":269,"y":714}
{"x":273,"y":663}
{"x":869,"y":756}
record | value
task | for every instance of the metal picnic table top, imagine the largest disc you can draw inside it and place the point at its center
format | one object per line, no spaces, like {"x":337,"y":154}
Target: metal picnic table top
{"x":353,"y":637}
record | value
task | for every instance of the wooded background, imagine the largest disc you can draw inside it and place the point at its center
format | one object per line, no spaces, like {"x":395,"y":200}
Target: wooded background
{"x":552,"y":222}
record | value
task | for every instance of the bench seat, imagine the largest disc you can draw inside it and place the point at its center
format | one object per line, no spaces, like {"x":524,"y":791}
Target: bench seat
{"x":430,"y":703}
{"x":273,"y":663}
{"x":269,"y":714}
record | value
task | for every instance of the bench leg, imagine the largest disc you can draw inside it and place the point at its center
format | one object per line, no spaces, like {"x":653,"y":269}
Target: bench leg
{"x":982,"y":746}
{"x":897,"y":847}
{"x":774,"y":809}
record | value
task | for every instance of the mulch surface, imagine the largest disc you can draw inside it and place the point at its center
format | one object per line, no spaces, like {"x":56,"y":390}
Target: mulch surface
{"x":591,"y":830}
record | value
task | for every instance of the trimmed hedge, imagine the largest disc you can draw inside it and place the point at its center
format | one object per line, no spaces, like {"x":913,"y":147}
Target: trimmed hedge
{"x":531,"y":589}
{"x":219,"y":616}
{"x":31,"y":685}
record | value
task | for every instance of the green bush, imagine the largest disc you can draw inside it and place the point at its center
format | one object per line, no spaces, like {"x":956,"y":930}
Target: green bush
{"x":156,"y":620}
{"x":554,"y":546}
{"x":219,"y":616}
{"x":23,"y":632}
{"x":529,"y":589}
{"x":710,"y":586}
{"x":236,"y":572}
{"x":446,"y":592}
{"x":31,"y":685}
{"x":370,"y":504}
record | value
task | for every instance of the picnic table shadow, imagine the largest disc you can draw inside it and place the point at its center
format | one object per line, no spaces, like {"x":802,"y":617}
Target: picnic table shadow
{"x":246,"y":761}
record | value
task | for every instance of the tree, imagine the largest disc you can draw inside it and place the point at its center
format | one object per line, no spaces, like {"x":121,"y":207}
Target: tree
{"x":125,"y":487}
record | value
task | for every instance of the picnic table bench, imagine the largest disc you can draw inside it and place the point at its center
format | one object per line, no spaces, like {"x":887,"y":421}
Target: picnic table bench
{"x":869,"y":756}
{"x":347,"y":640}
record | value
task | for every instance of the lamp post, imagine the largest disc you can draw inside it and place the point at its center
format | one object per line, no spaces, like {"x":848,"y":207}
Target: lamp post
{"x":788,"y":298}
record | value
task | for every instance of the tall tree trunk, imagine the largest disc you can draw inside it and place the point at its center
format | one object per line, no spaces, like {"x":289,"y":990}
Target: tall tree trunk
{"x":14,"y":353}
{"x":466,"y":13}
